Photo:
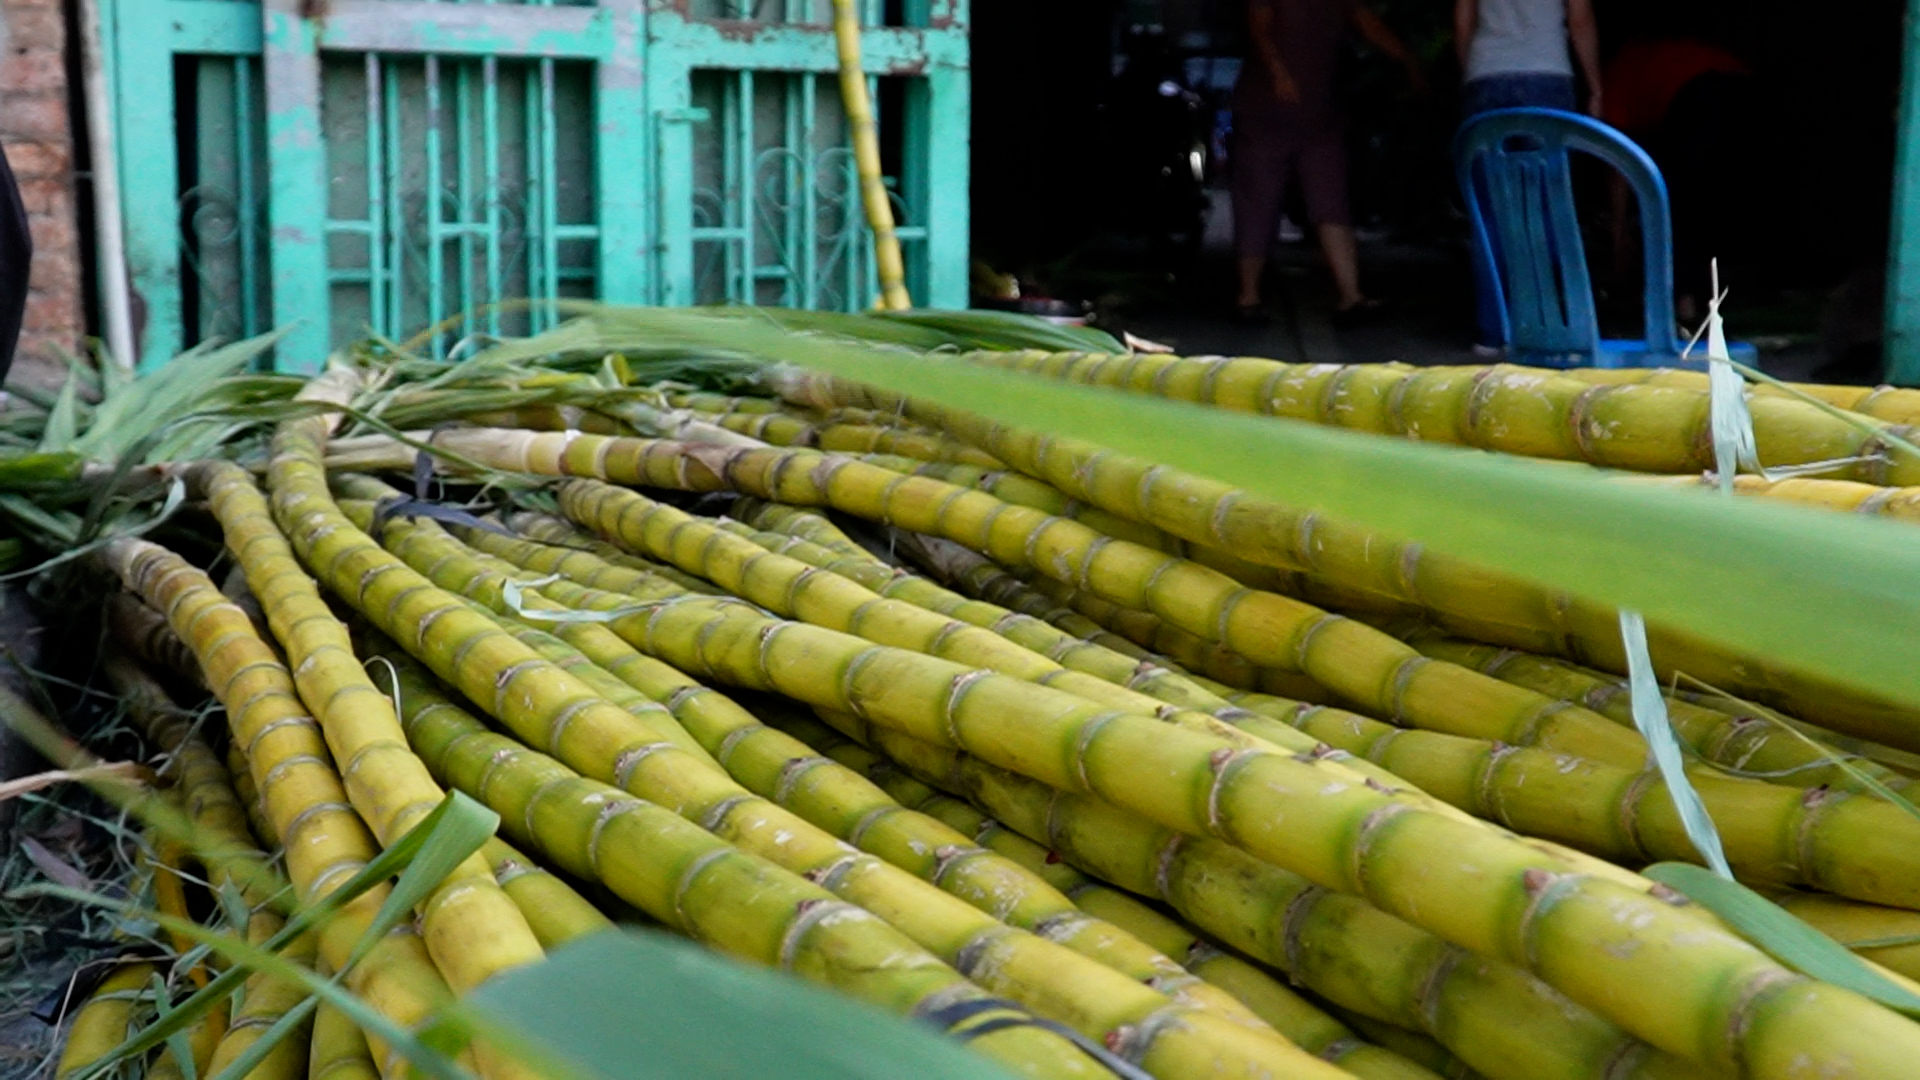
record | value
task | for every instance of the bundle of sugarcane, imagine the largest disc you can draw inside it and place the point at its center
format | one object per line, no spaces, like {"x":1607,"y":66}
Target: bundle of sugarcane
{"x":1088,"y":763}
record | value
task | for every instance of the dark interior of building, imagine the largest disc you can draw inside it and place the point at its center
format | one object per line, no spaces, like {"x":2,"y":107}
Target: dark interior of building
{"x":1088,"y":190}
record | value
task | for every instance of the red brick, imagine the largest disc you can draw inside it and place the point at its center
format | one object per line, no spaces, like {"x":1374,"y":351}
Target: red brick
{"x":52,"y":233}
{"x":36,"y":28}
{"x":52,"y":313}
{"x":57,"y":273}
{"x":47,"y":195}
{"x":27,"y":70}
{"x":36,"y":114}
{"x":33,"y":159}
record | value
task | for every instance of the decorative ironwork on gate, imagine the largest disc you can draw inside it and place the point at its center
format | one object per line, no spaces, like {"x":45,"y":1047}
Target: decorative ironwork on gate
{"x":356,"y":166}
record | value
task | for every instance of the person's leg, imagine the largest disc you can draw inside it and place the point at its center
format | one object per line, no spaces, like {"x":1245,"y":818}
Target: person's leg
{"x":1323,"y":184}
{"x":1259,"y":186}
{"x":1343,"y":259}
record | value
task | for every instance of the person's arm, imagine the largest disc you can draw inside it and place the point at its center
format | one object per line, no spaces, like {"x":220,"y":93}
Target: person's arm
{"x":1583,"y":32}
{"x":1382,"y":37}
{"x":1466,"y":18}
{"x":1260,"y":18}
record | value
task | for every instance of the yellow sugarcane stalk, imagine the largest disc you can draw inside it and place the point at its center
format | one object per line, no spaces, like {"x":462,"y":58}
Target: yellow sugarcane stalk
{"x":1022,"y":966}
{"x":471,"y":927}
{"x":1359,"y":570}
{"x":864,"y":134}
{"x":291,"y":768}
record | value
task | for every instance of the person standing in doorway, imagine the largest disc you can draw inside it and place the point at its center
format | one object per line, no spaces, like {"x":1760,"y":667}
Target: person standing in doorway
{"x":1285,"y":121}
{"x":1519,"y":53}
{"x":1515,"y":54}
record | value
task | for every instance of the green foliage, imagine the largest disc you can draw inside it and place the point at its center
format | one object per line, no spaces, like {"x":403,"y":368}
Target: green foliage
{"x":1783,"y":936}
{"x":662,"y":1008}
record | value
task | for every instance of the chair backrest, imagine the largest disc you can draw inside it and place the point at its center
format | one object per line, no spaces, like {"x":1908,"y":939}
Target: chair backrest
{"x":1513,"y":166}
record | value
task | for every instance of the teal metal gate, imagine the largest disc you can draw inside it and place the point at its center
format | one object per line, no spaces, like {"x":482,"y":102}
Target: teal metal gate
{"x":377,"y":166}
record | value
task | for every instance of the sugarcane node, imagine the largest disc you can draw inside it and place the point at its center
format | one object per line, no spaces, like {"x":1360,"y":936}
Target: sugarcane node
{"x":1536,"y":881}
{"x":1668,"y":894}
{"x":1815,"y":796}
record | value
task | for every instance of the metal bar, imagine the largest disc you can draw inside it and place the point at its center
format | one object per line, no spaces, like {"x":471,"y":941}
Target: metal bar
{"x":243,"y":185}
{"x":377,"y":271}
{"x":463,"y":163}
{"x":1903,"y":255}
{"x":394,"y":226}
{"x":749,"y":185}
{"x":209,"y":27}
{"x":427,"y":27}
{"x":490,"y":150}
{"x":297,"y":191}
{"x":227,"y":28}
{"x":729,"y":182}
{"x":791,"y":233}
{"x":549,"y":191}
{"x":623,"y":159}
{"x":809,"y":195}
{"x":739,"y":45}
{"x":430,"y":206}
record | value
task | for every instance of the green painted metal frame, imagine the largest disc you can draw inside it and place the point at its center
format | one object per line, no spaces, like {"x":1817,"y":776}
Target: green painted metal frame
{"x":644,"y":57}
{"x":1903,"y":237}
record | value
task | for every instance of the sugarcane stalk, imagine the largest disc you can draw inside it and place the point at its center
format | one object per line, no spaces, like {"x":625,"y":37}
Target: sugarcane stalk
{"x":1356,"y":569}
{"x":1168,"y":1038}
{"x":1499,"y":1019}
{"x":338,"y":1048}
{"x":471,"y":928}
{"x":1350,"y":658}
{"x":1292,"y":1015}
{"x":144,"y":633}
{"x":264,"y":1001}
{"x":1852,"y":845}
{"x":103,"y":1021}
{"x":1841,"y":496}
{"x":1510,"y":409}
{"x":598,"y":585}
{"x":788,"y":772}
{"x":554,"y":911}
{"x":1749,"y":745}
{"x":864,"y":133}
{"x":800,"y":522}
{"x":1893,"y":404}
{"x":1031,"y":633}
{"x":291,"y":769}
{"x":798,"y":590}
{"x":1192,"y":652}
{"x":1889,"y":937}
{"x":928,"y":697}
{"x":698,"y":884}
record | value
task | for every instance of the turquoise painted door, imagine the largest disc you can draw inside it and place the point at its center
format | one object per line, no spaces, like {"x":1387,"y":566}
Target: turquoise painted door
{"x":347,"y":167}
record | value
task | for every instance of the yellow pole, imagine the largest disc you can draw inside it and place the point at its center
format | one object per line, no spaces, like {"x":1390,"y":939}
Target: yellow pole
{"x":866,"y":158}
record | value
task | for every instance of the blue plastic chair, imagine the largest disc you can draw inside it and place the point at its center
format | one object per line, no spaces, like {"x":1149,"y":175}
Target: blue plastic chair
{"x":1513,"y":165}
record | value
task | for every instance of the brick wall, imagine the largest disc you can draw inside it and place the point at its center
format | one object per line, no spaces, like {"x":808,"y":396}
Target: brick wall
{"x":36,"y":131}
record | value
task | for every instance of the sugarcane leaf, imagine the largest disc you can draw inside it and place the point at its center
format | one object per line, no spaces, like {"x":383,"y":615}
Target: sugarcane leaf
{"x":246,"y":958}
{"x":63,"y":420}
{"x":1651,"y":719}
{"x":452,"y":831}
{"x":396,"y":859}
{"x":580,"y":1007}
{"x":1830,"y":595}
{"x":1784,"y":937}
